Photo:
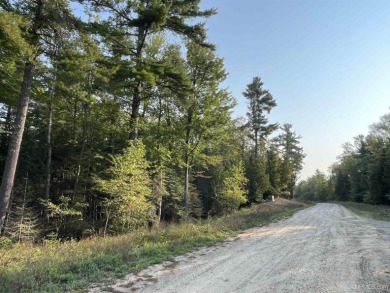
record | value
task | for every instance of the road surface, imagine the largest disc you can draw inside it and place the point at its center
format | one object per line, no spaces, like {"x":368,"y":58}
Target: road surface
{"x":325,"y":248}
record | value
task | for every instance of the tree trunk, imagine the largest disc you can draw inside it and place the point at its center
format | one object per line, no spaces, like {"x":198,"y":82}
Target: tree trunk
{"x":49,"y":146}
{"x":187,"y":160}
{"x":134,"y":117}
{"x":16,"y":141}
{"x":23,"y":210}
{"x":186,"y":183}
{"x":83,"y":144}
{"x":160,"y":179}
{"x":256,"y":143}
{"x":160,"y":199}
{"x":49,"y":156}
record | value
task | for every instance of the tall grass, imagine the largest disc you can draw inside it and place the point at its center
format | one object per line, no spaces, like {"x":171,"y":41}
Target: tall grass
{"x":377,"y":212}
{"x":72,"y":266}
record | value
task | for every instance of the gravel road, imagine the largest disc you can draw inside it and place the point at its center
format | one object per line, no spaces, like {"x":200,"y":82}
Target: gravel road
{"x":325,"y":248}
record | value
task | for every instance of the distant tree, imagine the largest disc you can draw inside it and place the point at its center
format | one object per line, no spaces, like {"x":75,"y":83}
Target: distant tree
{"x":292,"y":157}
{"x":260,"y":102}
{"x":342,"y":186}
{"x":258,"y":179}
{"x":274,"y":171}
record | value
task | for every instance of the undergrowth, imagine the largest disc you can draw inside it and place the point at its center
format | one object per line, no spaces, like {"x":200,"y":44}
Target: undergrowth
{"x":377,"y":212}
{"x":73,"y":266}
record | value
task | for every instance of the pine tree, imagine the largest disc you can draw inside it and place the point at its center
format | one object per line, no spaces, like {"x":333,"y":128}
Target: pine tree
{"x":341,"y":185}
{"x":134,"y":22}
{"x":260,"y":102}
{"x":45,"y":20}
{"x":22,"y":223}
{"x":258,"y":180}
{"x":292,"y":158}
{"x":274,"y":169}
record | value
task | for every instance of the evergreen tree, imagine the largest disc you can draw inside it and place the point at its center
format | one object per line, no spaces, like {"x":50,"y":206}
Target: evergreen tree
{"x":206,"y":109}
{"x":274,"y":169}
{"x":128,"y":188}
{"x":127,"y":29}
{"x":292,"y":158}
{"x":45,"y":20}
{"x":260,"y":102}
{"x":342,"y":187}
{"x":22,"y":222}
{"x":258,"y":180}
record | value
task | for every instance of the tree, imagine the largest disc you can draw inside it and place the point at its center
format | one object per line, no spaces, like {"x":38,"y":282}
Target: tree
{"x":206,"y":108}
{"x":128,"y":188}
{"x":315,"y":188}
{"x":43,"y":18}
{"x":274,"y":171}
{"x":233,"y":192}
{"x":342,"y":186}
{"x":258,"y":180}
{"x":126,"y":31}
{"x":260,"y":102}
{"x":22,"y":221}
{"x":292,"y":157}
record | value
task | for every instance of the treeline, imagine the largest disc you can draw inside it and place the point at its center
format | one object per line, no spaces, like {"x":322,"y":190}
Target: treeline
{"x":127,"y":123}
{"x":362,"y":173}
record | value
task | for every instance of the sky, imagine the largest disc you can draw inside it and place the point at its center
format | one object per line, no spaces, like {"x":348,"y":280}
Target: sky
{"x":326,"y":63}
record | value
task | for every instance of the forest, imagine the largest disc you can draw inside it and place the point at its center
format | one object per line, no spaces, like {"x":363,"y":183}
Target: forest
{"x":361,"y":174}
{"x":113,"y":117}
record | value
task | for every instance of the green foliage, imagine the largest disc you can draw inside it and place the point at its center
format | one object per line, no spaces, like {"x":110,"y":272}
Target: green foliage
{"x":128,"y":189}
{"x":342,"y":185}
{"x":233,"y":192}
{"x":314,"y":188}
{"x":11,"y":33}
{"x":5,"y":243}
{"x":274,"y":165}
{"x":292,"y":158}
{"x":258,"y":180}
{"x":13,"y":49}
{"x":361,"y":175}
{"x":260,"y":102}
{"x":73,"y":266}
{"x":119,"y":73}
{"x":172,"y":206}
{"x":22,"y":222}
{"x":377,"y":212}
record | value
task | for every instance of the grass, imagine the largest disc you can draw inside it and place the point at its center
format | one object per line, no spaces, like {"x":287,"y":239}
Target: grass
{"x":377,"y":212}
{"x":73,"y":266}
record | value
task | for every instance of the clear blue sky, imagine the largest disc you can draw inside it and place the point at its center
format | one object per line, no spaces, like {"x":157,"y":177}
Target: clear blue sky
{"x":326,"y":62}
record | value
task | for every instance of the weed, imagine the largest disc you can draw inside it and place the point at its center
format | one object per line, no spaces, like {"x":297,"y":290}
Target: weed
{"x":377,"y":212}
{"x":72,"y":266}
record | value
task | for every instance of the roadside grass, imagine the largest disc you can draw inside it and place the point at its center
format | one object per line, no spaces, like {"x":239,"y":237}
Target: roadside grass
{"x":377,"y":212}
{"x":73,"y":266}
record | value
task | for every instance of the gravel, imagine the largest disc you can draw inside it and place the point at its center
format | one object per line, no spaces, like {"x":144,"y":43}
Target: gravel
{"x":325,"y":248}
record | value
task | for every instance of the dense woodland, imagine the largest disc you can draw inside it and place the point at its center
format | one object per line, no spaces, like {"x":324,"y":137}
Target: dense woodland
{"x":362,"y":173}
{"x":127,"y":122}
